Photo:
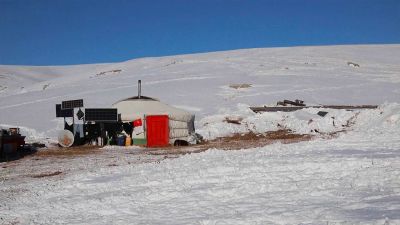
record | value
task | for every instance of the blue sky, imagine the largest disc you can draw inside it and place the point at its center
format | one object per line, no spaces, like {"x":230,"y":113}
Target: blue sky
{"x":62,"y":32}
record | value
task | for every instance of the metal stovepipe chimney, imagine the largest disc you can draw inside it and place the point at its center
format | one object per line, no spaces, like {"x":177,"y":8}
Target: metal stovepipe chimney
{"x":139,"y":88}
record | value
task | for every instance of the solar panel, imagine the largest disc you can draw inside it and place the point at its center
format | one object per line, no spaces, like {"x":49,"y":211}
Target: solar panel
{"x":101,"y":114}
{"x":63,"y":112}
{"x":72,"y":104}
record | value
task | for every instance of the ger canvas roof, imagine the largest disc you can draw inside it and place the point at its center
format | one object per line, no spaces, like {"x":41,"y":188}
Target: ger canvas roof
{"x":133,"y":108}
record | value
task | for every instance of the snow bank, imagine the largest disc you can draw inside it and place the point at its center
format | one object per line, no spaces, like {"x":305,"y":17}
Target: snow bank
{"x":305,"y":121}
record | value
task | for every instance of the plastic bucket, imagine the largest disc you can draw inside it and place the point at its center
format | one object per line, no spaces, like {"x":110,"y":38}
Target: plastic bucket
{"x":121,"y":141}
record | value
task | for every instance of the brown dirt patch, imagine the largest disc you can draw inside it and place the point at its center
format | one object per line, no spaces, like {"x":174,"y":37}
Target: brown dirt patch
{"x":252,"y":140}
{"x":68,"y":152}
{"x":47,"y":174}
{"x":236,"y":142}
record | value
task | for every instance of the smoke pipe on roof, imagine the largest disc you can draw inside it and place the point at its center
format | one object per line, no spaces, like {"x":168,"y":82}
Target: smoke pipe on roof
{"x":139,"y":88}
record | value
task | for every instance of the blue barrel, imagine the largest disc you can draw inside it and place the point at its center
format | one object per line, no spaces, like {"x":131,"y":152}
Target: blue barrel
{"x":121,"y":141}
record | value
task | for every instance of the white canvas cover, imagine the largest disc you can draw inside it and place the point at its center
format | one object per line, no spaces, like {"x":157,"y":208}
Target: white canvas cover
{"x":134,"y":108}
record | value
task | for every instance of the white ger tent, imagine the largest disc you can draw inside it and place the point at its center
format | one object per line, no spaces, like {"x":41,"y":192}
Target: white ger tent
{"x":181,"y":123}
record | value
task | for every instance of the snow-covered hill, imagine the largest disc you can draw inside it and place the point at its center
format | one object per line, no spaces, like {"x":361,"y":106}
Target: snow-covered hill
{"x":349,"y":178}
{"x":205,"y":83}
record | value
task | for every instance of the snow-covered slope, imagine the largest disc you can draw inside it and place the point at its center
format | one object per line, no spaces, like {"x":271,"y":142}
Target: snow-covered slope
{"x":205,"y":83}
{"x":352,"y":178}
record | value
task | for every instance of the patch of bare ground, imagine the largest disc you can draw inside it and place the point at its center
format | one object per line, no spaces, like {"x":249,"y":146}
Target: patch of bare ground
{"x":236,"y":142}
{"x":49,"y":174}
{"x":68,"y":152}
{"x":252,"y":140}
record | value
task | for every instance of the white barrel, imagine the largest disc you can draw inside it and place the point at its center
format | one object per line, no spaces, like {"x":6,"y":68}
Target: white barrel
{"x":65,"y":138}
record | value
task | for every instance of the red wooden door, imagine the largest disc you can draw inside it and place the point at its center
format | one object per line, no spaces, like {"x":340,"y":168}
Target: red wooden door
{"x":157,"y":129}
